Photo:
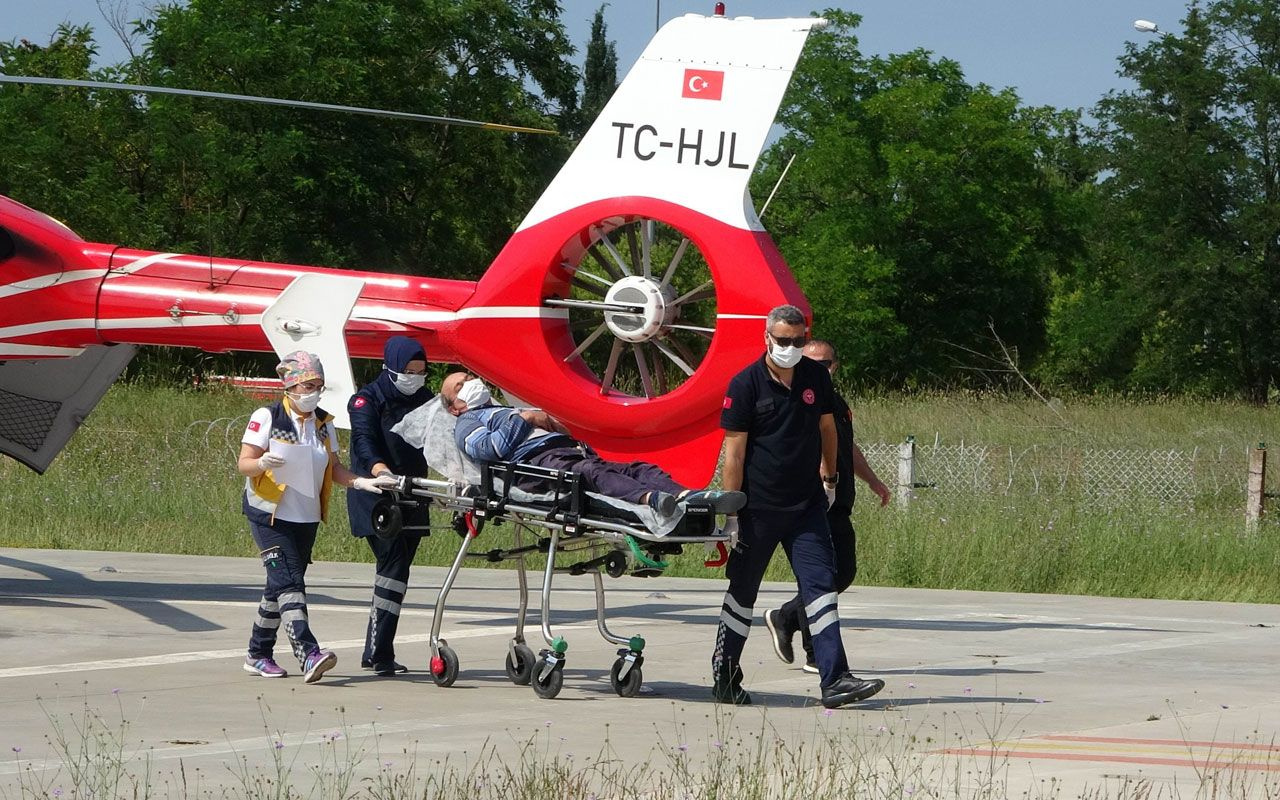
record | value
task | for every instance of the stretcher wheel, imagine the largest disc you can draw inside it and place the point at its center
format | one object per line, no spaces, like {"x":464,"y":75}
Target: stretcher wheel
{"x":387,"y":518}
{"x":521,"y":670}
{"x":549,"y":686}
{"x":628,"y":686}
{"x":444,"y":667}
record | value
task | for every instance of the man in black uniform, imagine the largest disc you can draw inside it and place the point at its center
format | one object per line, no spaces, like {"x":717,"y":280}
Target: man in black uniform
{"x":850,"y":462}
{"x":780,"y":449}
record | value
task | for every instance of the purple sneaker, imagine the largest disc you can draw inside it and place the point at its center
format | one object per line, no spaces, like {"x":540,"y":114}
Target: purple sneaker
{"x":263,"y":667}
{"x":317,"y":664}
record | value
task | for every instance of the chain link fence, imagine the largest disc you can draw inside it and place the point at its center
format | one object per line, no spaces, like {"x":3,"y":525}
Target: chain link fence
{"x":1109,"y":476}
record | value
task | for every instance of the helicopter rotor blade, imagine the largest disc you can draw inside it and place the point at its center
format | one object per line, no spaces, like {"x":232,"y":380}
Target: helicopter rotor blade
{"x":274,"y":101}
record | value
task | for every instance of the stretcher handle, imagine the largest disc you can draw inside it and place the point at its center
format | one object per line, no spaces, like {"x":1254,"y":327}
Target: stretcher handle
{"x":721,"y":558}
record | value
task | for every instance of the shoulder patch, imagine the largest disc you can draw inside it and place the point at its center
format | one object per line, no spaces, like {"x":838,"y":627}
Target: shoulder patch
{"x":359,"y":402}
{"x":728,"y":402}
{"x":808,"y":396}
{"x":254,"y":425}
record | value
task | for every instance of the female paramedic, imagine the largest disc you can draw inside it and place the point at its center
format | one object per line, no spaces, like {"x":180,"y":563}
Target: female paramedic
{"x":375,"y":450}
{"x":289,"y":457}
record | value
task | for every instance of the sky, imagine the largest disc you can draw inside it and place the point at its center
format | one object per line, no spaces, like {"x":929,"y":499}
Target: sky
{"x":1052,"y":52}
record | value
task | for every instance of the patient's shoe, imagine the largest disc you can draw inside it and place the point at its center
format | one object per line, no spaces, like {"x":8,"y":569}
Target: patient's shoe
{"x":727,"y":687}
{"x":723,"y":502}
{"x":849,"y":688}
{"x":664,"y":504}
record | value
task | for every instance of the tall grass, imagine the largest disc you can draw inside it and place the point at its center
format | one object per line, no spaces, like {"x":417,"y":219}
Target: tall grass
{"x":152,"y":470}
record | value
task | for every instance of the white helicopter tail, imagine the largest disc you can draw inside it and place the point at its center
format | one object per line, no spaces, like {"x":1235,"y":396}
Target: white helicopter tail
{"x":688,"y":122}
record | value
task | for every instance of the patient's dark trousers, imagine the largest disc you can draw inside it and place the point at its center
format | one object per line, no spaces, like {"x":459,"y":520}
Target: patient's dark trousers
{"x":286,"y":552}
{"x":805,"y":538}
{"x":629,"y":482}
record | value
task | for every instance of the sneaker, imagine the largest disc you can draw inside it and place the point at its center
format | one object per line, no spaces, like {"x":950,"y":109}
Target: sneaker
{"x":810,"y":667}
{"x":664,"y":504}
{"x":849,"y":688}
{"x":780,"y":636}
{"x":263,"y":667}
{"x":385,"y":669}
{"x":727,"y":687}
{"x":317,"y":664}
{"x":721,"y":502}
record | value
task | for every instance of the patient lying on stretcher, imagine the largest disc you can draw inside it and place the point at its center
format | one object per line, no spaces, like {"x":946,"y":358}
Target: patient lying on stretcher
{"x":487,"y":432}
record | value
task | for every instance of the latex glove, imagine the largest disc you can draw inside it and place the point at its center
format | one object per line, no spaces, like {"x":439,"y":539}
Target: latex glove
{"x":831,"y":494}
{"x":270,"y":461}
{"x":730,"y":529}
{"x":375,"y":485}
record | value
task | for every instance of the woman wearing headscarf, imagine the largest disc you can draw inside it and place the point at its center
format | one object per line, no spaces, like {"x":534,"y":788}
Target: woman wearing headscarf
{"x":375,"y":450}
{"x":285,"y":499}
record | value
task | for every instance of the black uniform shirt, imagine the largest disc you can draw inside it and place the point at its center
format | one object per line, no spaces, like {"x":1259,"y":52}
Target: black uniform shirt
{"x":844,"y":452}
{"x":784,"y":442}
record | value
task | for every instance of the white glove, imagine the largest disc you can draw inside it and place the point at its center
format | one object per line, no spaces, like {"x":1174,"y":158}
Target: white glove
{"x":270,"y":461}
{"x":375,"y":485}
{"x":831,"y":494}
{"x":730,"y":529}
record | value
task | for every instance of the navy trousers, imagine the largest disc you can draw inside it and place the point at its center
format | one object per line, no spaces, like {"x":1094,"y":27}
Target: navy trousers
{"x":286,"y":552}
{"x":390,"y":582}
{"x":845,"y":542}
{"x":805,"y":538}
{"x":629,"y":482}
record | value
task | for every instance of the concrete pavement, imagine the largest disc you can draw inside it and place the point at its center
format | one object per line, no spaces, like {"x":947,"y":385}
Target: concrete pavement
{"x":1085,"y":691}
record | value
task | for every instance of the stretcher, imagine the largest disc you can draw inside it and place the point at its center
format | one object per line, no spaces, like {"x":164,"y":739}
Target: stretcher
{"x":572,"y":530}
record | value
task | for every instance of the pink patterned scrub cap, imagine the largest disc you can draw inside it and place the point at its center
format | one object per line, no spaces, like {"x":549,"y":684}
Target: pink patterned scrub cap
{"x":300,"y":367}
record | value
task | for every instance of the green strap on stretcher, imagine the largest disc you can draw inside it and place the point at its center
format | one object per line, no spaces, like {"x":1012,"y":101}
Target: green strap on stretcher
{"x":642,"y":557}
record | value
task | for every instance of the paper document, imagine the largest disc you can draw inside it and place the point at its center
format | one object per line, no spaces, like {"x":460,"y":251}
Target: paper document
{"x":299,"y":470}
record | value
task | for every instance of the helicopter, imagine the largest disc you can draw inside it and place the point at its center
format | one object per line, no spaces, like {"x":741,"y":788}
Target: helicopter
{"x":631,"y":293}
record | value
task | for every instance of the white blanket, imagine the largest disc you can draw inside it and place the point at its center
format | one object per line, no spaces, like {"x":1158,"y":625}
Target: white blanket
{"x":430,"y":428}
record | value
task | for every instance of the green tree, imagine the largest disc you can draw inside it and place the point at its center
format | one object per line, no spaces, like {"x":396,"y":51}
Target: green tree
{"x":1182,"y":287}
{"x":599,"y":74}
{"x":921,"y":213}
{"x":357,"y":191}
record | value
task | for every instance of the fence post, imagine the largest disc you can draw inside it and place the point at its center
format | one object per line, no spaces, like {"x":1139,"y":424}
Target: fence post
{"x":906,"y":470}
{"x":1255,"y":493}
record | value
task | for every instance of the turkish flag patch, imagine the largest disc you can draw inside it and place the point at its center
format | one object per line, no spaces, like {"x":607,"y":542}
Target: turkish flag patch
{"x":809,"y":396}
{"x":359,"y":402}
{"x":728,"y":402}
{"x":703,"y":84}
{"x":254,"y":426}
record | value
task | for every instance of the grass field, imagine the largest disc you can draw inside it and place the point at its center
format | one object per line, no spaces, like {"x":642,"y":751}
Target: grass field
{"x":152,"y":470}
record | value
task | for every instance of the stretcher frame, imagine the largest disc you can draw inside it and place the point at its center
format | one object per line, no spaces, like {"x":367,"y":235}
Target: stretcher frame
{"x":613,"y":546}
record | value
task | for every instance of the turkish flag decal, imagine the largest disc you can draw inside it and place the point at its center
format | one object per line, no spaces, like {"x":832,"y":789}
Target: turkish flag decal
{"x":703,"y":84}
{"x":254,"y":426}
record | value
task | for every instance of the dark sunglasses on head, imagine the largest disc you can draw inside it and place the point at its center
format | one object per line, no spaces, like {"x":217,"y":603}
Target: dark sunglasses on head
{"x":790,"y":341}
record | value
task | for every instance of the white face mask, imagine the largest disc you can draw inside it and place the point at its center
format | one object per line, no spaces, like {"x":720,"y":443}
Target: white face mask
{"x":785,"y":357}
{"x":407,"y":384}
{"x":474,"y":393}
{"x":306,"y":403}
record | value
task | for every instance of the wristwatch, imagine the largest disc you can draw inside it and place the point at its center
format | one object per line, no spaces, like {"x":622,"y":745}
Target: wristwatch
{"x":831,"y":480}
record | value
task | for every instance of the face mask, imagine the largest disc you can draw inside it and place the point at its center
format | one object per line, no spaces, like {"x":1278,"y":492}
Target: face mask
{"x":474,"y":393}
{"x":306,"y":403}
{"x":408,"y":384}
{"x":785,"y":357}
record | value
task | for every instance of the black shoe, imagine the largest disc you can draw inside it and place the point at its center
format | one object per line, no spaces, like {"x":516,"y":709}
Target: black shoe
{"x":727,"y":687}
{"x":664,"y":504}
{"x":384,"y":669}
{"x":849,"y":688}
{"x":721,"y":502}
{"x":779,"y":635}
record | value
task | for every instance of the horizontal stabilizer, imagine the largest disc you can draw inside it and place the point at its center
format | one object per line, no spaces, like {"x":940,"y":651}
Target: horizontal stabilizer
{"x":42,"y":403}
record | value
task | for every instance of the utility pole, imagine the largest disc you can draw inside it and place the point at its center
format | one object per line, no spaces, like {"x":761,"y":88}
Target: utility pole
{"x":657,"y":15}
